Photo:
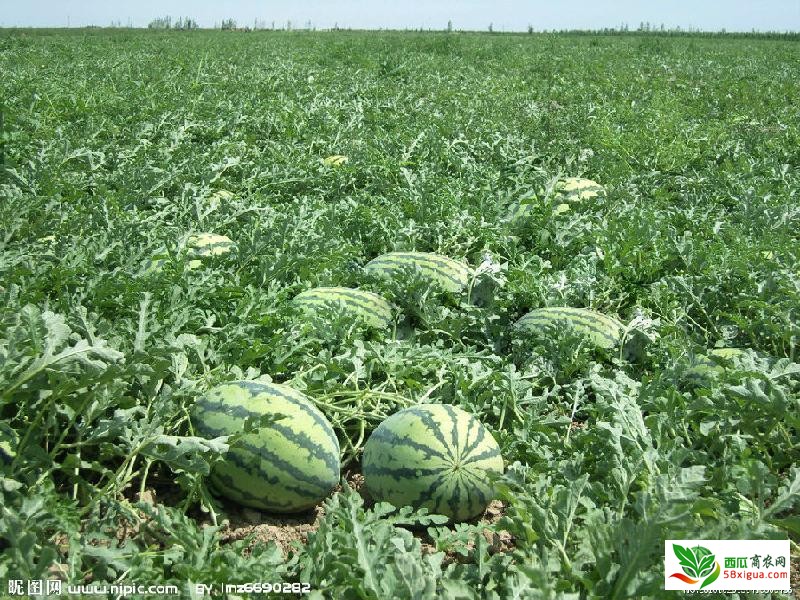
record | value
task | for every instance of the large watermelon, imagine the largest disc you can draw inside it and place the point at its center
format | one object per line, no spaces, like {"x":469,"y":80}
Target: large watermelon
{"x":600,"y":329}
{"x":434,"y":456}
{"x":288,"y":466}
{"x":450,"y":274}
{"x":373,"y":309}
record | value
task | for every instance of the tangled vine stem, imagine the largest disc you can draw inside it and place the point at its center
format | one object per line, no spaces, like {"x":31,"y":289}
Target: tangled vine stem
{"x":351,"y":411}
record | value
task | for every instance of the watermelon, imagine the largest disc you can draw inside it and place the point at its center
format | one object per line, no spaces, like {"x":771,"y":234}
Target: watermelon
{"x":287,"y":466}
{"x":157,"y":264}
{"x":371,"y":308}
{"x":450,"y":274}
{"x":202,"y":245}
{"x":705,"y":366}
{"x":432,"y":456}
{"x":601,"y":330}
{"x":571,"y":190}
{"x":9,"y":440}
{"x":335,"y":160}
{"x":577,"y":189}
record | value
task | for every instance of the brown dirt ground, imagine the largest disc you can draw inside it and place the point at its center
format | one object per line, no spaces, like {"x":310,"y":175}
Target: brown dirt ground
{"x":287,"y":530}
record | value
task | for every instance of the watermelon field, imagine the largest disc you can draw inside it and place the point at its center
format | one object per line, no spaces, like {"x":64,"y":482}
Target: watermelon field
{"x":395,"y":315}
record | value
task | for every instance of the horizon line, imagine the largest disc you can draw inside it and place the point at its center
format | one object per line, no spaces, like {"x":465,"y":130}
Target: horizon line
{"x":623,"y":28}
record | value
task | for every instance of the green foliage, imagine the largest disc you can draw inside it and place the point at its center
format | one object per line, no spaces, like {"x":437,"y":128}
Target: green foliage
{"x":693,"y":246}
{"x":358,"y":553}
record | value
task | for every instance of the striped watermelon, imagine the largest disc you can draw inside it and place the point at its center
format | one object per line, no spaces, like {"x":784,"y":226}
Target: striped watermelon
{"x":520,"y":210}
{"x":288,"y":466}
{"x":577,"y":189}
{"x":9,"y":440}
{"x":373,"y":309}
{"x":434,"y":456}
{"x":570,"y":190}
{"x":600,"y":329}
{"x":450,"y":274}
{"x":704,"y":365}
{"x":202,"y":245}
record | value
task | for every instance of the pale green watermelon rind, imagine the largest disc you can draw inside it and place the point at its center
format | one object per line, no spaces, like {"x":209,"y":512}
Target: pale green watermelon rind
{"x":289,"y":466}
{"x":374,"y":309}
{"x":602,"y":330}
{"x":451,"y":274}
{"x":157,"y":265}
{"x":8,"y":443}
{"x":704,"y":365}
{"x":520,"y":211}
{"x":570,"y":190}
{"x":579,"y":189}
{"x":204,"y":245}
{"x":432,"y":456}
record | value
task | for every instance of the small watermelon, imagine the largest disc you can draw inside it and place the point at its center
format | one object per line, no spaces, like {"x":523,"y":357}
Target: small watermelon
{"x":9,"y":440}
{"x":288,"y":466}
{"x":335,"y":160}
{"x":450,"y":274}
{"x":432,"y":456}
{"x":373,"y":309}
{"x":561,"y":209}
{"x":577,"y":189}
{"x":157,"y":264}
{"x":704,"y":365}
{"x":202,"y":245}
{"x":601,"y":330}
{"x":569,"y":191}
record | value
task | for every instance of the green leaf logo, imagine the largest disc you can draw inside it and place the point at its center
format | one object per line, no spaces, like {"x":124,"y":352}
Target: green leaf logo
{"x":697,"y":563}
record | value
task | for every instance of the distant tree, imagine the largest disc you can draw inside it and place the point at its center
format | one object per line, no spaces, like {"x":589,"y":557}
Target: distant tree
{"x":491,"y":27}
{"x":530,"y":28}
{"x":228,"y":24}
{"x":185,"y":24}
{"x":161,"y":23}
{"x":450,"y":26}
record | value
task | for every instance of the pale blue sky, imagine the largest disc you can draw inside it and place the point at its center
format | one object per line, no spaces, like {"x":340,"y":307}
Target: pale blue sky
{"x":734,"y":15}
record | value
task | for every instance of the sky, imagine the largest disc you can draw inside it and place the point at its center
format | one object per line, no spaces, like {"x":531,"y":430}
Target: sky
{"x":504,"y":15}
